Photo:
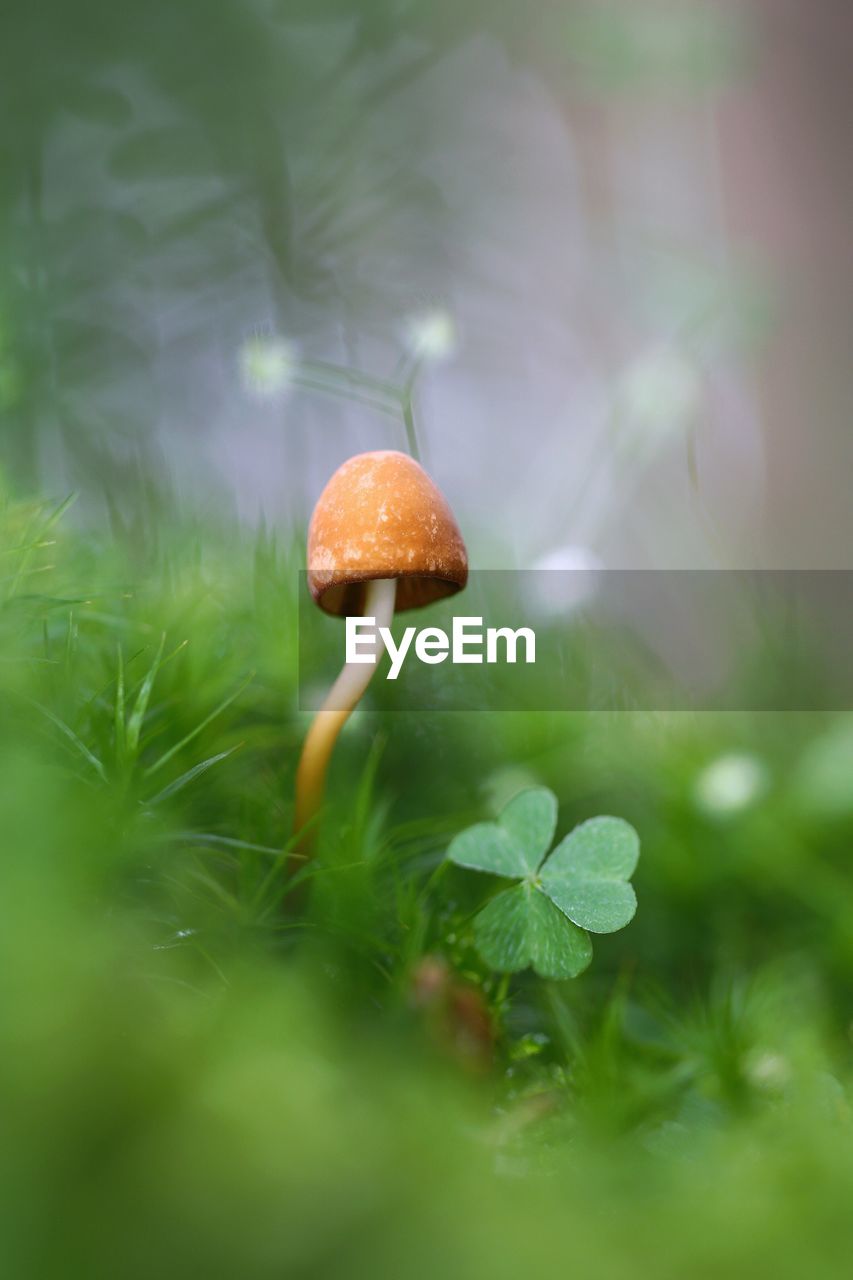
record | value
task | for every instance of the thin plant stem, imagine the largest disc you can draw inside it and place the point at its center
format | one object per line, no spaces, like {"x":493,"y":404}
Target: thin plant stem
{"x":411,"y":430}
{"x":340,"y":701}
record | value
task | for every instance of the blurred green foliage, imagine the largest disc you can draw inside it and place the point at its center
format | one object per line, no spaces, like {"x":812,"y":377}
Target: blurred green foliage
{"x":198,"y":1080}
{"x":195,"y":1078}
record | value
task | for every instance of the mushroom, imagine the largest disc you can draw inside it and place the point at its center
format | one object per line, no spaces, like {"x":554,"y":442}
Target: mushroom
{"x":381,"y":538}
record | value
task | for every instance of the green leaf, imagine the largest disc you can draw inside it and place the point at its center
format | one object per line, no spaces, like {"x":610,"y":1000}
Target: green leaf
{"x":137,"y":715}
{"x":603,"y":846}
{"x":118,"y":710}
{"x":587,"y":874}
{"x":487,"y":847}
{"x":515,"y":845}
{"x":72,"y":737}
{"x":193,"y":733}
{"x":190,"y":776}
{"x":530,"y":819}
{"x":520,"y":927}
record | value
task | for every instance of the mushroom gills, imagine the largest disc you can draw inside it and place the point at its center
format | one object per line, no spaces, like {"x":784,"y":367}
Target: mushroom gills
{"x":345,"y":599}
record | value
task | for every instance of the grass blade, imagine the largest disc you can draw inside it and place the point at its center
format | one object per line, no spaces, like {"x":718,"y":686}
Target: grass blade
{"x":72,"y":737}
{"x":226,"y":842}
{"x":178,"y":746}
{"x":190,"y":776}
{"x":134,"y":724}
{"x":119,"y":715}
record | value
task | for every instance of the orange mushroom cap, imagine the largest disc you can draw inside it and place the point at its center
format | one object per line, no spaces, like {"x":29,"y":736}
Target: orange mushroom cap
{"x":381,"y":516}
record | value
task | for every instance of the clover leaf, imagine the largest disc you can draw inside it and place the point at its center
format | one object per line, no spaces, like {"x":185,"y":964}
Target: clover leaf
{"x":587,"y":874}
{"x":515,"y":845}
{"x":520,"y":927}
{"x":581,"y":888}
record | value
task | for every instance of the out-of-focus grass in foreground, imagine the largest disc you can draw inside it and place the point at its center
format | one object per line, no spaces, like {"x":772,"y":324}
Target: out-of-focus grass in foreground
{"x":196,"y":1081}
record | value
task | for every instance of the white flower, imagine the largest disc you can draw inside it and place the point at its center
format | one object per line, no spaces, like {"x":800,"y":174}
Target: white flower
{"x":768,"y":1070}
{"x":731,"y":783}
{"x":660,"y":392}
{"x":562,"y":580}
{"x":267,"y":366}
{"x":430,"y":335}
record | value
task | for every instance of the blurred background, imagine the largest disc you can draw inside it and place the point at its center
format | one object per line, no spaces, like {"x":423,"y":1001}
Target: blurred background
{"x":592,"y":261}
{"x":598,"y":253}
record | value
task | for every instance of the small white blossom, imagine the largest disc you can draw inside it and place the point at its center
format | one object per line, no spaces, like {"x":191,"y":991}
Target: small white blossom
{"x":660,"y":392}
{"x":430,"y":335}
{"x":562,"y":580}
{"x":731,"y":784}
{"x":768,"y":1070}
{"x":267,"y":366}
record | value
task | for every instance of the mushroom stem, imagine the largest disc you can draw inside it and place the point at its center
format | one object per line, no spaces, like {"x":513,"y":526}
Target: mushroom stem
{"x":330,"y":719}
